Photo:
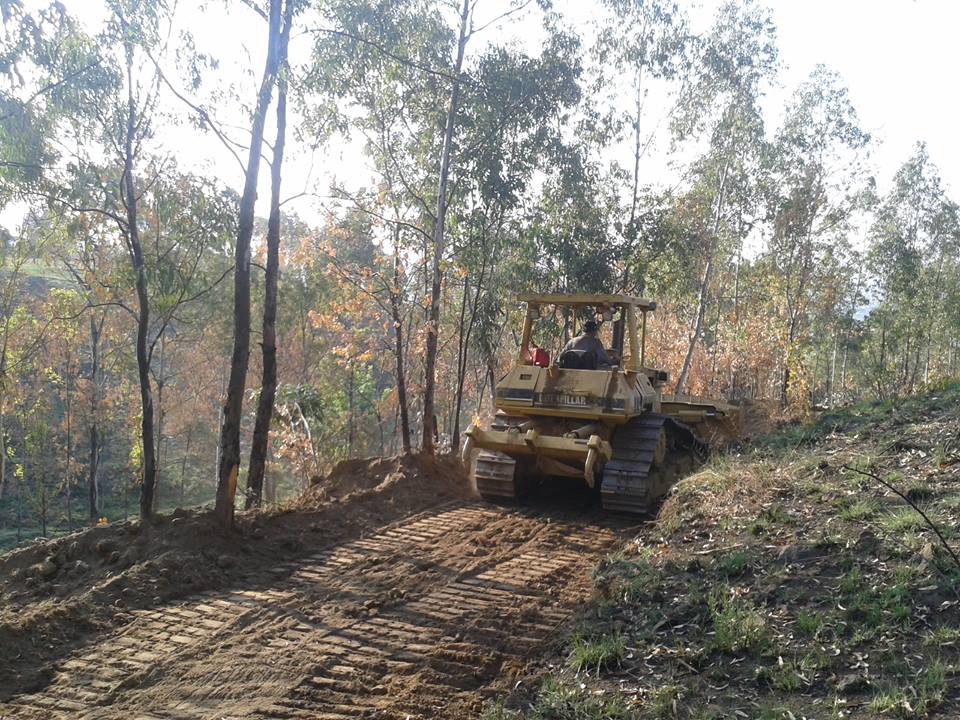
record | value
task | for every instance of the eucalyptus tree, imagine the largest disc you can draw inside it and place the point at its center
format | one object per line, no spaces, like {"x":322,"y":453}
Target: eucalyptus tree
{"x":107,"y":182}
{"x":646,"y":43}
{"x":45,"y":61}
{"x":386,"y":69}
{"x":16,"y":351}
{"x":373,"y":75}
{"x":278,"y":15}
{"x":268,"y":383}
{"x":401,"y":75}
{"x":718,"y":106}
{"x":816,"y":184}
{"x":510,"y":121}
{"x":914,"y":249}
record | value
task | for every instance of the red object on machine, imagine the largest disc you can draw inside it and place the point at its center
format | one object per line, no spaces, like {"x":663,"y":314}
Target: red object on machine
{"x":537,"y":356}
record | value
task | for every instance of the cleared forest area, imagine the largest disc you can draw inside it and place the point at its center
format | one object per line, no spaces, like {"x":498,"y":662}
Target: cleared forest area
{"x":777,"y":580}
{"x":261,"y":270}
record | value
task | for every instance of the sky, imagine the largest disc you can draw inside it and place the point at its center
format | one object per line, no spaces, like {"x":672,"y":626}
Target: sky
{"x":897,"y":57}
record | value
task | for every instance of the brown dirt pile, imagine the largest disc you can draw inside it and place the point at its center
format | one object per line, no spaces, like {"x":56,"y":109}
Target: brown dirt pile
{"x":758,"y":418}
{"x":414,"y":478}
{"x":54,"y":592}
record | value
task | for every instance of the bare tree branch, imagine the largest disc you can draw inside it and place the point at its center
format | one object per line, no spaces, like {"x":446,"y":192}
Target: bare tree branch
{"x":908,"y":501}
{"x":204,"y":116}
{"x":498,"y":18}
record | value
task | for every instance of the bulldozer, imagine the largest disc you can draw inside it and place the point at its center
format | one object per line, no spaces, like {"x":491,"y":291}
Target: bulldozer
{"x":608,"y":424}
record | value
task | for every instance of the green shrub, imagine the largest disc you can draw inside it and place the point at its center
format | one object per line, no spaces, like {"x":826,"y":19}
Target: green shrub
{"x":559,"y":701}
{"x":733,"y":564}
{"x":596,"y":654}
{"x":737,"y":625}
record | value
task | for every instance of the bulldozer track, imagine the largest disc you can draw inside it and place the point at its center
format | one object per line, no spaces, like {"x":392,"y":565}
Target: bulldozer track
{"x":497,"y":475}
{"x":421,"y":620}
{"x":635,"y":477}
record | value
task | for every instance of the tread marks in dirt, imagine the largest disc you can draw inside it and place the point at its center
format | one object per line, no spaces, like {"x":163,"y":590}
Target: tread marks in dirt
{"x":335,"y":635}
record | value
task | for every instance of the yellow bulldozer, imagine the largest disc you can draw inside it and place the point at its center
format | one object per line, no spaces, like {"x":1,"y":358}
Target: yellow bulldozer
{"x":595,"y":412}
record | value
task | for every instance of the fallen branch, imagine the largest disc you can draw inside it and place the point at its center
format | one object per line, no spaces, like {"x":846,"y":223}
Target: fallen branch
{"x":908,"y":501}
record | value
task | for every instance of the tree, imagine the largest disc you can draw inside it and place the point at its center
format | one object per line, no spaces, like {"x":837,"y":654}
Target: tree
{"x":816,"y":183}
{"x":720,"y":104}
{"x":229,"y":468}
{"x":268,"y":384}
{"x":645,"y":41}
{"x":914,"y":249}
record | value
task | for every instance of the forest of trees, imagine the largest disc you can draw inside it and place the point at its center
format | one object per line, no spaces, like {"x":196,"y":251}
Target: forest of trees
{"x":167,"y":340}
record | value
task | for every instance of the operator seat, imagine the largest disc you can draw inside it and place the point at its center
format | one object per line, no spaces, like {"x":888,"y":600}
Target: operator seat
{"x":578,"y":360}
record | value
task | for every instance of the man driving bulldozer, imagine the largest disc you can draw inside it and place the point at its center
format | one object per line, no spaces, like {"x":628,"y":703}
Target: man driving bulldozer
{"x":589,"y":341}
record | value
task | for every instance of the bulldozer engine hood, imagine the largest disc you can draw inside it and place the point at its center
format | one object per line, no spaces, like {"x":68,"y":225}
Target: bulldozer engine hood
{"x":611,"y":395}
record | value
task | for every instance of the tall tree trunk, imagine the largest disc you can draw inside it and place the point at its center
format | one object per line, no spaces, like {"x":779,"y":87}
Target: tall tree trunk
{"x":268,"y":382}
{"x":233,"y":407}
{"x":183,"y":467}
{"x":149,"y":469}
{"x":217,"y":447}
{"x":433,"y":323}
{"x":637,"y":151}
{"x":697,"y":327}
{"x":3,"y":450}
{"x":881,"y":385}
{"x":395,"y":310}
{"x":463,"y":347}
{"x":831,"y":379}
{"x":843,"y":370}
{"x":19,"y":507}
{"x":68,"y":500}
{"x":350,"y":408}
{"x":161,"y":383}
{"x":703,"y":293}
{"x":43,"y":503}
{"x":96,"y":328}
{"x":788,"y":356}
{"x":380,"y":433}
{"x":461,"y":366}
{"x":732,"y":381}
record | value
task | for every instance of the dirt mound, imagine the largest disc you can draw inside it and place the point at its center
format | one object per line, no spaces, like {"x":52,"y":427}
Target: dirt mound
{"x":418,"y":477}
{"x":758,"y":417}
{"x":53,"y":592}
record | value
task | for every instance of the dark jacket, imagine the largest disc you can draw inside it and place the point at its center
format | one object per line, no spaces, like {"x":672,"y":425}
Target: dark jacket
{"x":589,"y":342}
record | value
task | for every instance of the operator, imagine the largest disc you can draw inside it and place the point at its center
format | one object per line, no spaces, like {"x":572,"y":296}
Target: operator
{"x":589,"y":340}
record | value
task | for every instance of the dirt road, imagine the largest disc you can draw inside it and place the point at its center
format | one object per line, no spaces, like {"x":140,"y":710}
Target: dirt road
{"x":423,"y":619}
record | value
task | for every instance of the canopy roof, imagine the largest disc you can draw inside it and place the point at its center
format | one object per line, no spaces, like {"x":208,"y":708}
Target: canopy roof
{"x":587,"y":300}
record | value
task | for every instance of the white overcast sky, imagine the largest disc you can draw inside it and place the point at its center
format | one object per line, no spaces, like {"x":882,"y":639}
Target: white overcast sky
{"x":897,"y":57}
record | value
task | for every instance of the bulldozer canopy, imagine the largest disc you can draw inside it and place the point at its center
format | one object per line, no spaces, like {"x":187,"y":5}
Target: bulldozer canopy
{"x":587,"y":300}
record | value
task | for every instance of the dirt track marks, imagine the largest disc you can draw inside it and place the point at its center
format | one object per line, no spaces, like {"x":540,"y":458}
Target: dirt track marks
{"x":416,"y":621}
